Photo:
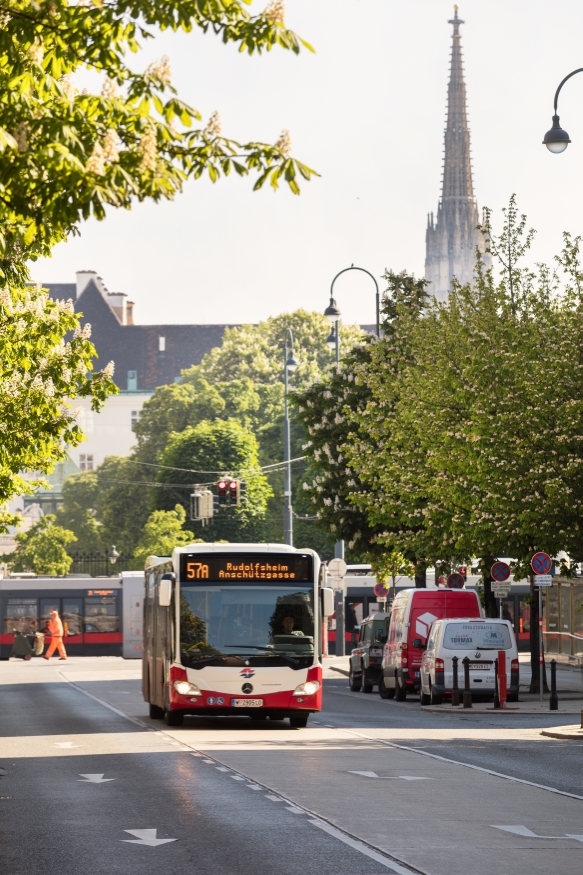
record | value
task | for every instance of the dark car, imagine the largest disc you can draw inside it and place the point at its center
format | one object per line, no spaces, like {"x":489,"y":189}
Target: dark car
{"x":366,"y":658}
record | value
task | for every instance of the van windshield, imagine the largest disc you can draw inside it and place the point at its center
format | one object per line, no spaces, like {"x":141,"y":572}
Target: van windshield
{"x":468,"y":636}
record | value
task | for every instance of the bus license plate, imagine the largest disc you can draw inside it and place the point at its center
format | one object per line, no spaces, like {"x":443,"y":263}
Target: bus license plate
{"x":246,"y":703}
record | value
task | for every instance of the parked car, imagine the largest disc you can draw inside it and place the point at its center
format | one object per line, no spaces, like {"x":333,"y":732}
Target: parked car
{"x":412,"y":615}
{"x":480,"y":641}
{"x":365,"y":659}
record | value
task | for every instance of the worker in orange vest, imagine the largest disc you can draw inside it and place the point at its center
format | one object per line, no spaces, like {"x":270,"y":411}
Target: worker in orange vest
{"x":56,"y":630}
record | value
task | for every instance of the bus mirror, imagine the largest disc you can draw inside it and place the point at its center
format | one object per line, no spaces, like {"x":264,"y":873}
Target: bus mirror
{"x":165,"y":591}
{"x":327,"y":601}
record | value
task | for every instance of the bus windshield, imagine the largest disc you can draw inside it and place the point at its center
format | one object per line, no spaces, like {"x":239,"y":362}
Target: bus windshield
{"x":265,"y":624}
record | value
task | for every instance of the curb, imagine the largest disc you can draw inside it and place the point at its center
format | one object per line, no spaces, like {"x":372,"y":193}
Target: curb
{"x":339,"y":670}
{"x":573,"y":731}
{"x":511,"y":712}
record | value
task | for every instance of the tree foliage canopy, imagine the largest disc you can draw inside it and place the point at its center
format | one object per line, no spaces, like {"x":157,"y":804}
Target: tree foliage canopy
{"x":162,"y":533}
{"x":66,"y":155}
{"x":42,"y":549}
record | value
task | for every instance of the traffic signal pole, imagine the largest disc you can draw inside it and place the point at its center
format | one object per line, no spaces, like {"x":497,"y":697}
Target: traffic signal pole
{"x":288,"y":535}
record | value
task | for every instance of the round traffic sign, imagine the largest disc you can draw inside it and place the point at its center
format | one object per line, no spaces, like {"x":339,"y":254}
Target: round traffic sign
{"x":381,"y":589}
{"x":337,"y":568}
{"x":456,"y":580}
{"x":500,"y":571}
{"x":541,"y":563}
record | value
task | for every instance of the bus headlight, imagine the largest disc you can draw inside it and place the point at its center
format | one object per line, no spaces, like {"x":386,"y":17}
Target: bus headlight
{"x":185,"y":688}
{"x":307,"y":689}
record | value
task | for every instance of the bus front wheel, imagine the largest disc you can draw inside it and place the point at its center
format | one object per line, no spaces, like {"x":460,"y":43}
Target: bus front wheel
{"x":174,"y":718}
{"x":299,"y":721}
{"x":156,"y":713}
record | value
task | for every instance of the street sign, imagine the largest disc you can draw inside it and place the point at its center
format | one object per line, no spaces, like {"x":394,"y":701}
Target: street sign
{"x":337,"y":568}
{"x":456,"y":580}
{"x":541,"y":563}
{"x":381,"y":590}
{"x":500,"y":590}
{"x":543,"y":580}
{"x":500,"y":571}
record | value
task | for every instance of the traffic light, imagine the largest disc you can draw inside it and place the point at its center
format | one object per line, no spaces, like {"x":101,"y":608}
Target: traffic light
{"x":242,"y":492}
{"x":201,"y":505}
{"x":464,"y":572}
{"x":215,"y":505}
{"x":234,"y":492}
{"x":222,"y":493}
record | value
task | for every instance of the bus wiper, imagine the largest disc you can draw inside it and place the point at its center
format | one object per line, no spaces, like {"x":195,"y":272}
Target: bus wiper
{"x":289,"y":659}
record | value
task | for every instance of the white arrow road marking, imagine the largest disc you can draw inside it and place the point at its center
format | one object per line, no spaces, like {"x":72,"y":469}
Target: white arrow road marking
{"x":528,"y":833}
{"x":95,"y":779}
{"x":66,"y":744}
{"x":391,"y":777}
{"x":273,"y":798}
{"x":145,"y":837}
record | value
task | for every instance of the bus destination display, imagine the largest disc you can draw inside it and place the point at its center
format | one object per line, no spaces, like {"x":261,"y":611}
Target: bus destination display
{"x":240,"y":567}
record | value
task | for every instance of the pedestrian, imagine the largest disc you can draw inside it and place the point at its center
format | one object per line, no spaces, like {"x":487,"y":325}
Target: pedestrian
{"x":56,"y":631}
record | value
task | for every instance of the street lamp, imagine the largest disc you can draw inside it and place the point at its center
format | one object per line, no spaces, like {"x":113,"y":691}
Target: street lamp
{"x":113,"y":555}
{"x":556,"y":140}
{"x":290,"y":364}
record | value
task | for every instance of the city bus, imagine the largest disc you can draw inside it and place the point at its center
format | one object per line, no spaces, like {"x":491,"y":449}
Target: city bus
{"x":234,"y":629}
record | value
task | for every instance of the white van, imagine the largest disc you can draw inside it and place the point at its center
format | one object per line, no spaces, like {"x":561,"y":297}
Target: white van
{"x":479,"y":640}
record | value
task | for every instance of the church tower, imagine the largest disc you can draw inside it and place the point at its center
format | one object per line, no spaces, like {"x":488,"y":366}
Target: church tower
{"x":451,"y":239}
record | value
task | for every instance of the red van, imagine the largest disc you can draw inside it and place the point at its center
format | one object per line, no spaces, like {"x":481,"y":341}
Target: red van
{"x":413,"y":612}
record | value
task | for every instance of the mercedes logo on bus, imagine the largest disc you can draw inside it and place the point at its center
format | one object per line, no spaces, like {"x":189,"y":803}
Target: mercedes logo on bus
{"x":247,"y":688}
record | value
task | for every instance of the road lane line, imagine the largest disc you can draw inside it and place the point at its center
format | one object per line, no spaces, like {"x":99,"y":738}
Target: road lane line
{"x":435,"y":756}
{"x":364,"y":849}
{"x":104,"y":703}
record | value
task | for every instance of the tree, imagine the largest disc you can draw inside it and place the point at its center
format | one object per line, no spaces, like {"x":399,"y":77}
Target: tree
{"x":79,"y":511}
{"x":481,"y":455}
{"x":42,"y":549}
{"x":124,"y":501}
{"x":162,"y":533}
{"x":65,"y":156}
{"x":41,"y":374}
{"x":330,"y":409}
{"x":200,"y":455}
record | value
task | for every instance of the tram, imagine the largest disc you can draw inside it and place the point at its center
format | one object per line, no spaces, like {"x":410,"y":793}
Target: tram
{"x":234,"y":629}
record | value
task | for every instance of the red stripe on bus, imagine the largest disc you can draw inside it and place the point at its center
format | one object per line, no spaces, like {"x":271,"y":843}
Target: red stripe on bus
{"x":102,"y":638}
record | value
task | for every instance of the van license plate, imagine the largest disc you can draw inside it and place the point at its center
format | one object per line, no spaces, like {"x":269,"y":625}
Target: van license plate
{"x":480,"y":666}
{"x":246,"y":703}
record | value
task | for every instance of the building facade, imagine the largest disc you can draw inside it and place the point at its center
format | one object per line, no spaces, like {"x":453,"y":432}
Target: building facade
{"x":452,"y":237}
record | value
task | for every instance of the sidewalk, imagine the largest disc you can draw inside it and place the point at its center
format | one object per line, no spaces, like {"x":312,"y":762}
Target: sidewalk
{"x":529,"y":704}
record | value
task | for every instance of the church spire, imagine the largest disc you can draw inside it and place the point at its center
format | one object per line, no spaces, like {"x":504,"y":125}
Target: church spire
{"x":451,"y":243}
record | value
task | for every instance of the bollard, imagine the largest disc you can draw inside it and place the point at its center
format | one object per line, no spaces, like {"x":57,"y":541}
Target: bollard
{"x":467,"y":691}
{"x":496,"y":690}
{"x":554,"y":699}
{"x":455,"y":690}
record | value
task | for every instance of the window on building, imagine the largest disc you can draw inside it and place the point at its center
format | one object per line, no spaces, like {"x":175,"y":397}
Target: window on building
{"x":161,"y":344}
{"x":132,"y":381}
{"x":135,"y":418}
{"x":85,"y":462}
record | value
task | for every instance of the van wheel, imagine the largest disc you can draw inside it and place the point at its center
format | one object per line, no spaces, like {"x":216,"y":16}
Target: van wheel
{"x":435,"y":698}
{"x":174,"y":718}
{"x":400,"y":692}
{"x":354,"y":681}
{"x":384,"y":693}
{"x":425,"y":698}
{"x":156,"y":713}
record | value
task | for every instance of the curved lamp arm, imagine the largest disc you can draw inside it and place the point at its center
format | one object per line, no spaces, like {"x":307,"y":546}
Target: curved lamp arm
{"x":558,"y":91}
{"x":352,"y":267}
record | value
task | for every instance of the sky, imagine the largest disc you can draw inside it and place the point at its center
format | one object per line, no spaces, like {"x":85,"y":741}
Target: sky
{"x":366,"y":111}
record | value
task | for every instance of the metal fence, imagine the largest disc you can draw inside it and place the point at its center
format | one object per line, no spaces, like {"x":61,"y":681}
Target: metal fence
{"x":100,"y":565}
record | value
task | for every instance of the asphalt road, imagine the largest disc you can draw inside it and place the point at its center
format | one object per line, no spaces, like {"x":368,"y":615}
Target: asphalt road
{"x":87,"y":790}
{"x":55,"y":822}
{"x":559,"y":764}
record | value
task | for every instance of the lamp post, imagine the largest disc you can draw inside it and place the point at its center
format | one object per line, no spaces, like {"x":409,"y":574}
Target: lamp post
{"x":113,"y":555}
{"x":290,"y":364}
{"x":556,"y":140}
{"x":332,"y":314}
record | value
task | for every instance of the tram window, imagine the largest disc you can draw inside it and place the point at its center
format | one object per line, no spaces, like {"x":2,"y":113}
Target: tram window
{"x":20,"y":614}
{"x":101,"y":615}
{"x":551,"y":615}
{"x":73,"y":616}
{"x":508,"y":610}
{"x":565,"y":597}
{"x":525,"y":615}
{"x":46,"y":606}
